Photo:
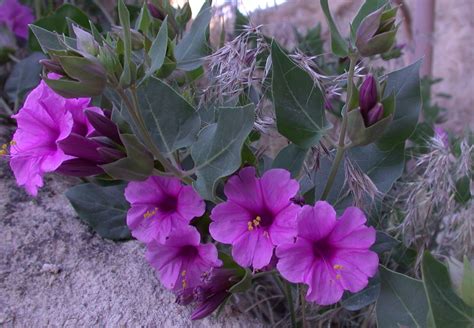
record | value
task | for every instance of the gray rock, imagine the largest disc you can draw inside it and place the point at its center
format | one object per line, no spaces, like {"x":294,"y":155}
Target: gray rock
{"x":55,"y":271}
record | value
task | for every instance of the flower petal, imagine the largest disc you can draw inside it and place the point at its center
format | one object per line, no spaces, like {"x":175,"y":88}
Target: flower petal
{"x":252,"y":248}
{"x":362,"y":238}
{"x":229,"y":222}
{"x":350,"y":220}
{"x":316,"y":222}
{"x":143,"y":192}
{"x":190,"y":204}
{"x":165,"y":260}
{"x":356,"y":267}
{"x":244,"y":189}
{"x":284,"y":227}
{"x":324,"y":288}
{"x":278,"y":188}
{"x":295,"y":260}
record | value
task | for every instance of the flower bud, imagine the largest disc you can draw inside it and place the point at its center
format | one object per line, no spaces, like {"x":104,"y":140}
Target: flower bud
{"x":52,"y":66}
{"x":184,"y":15}
{"x":376,"y":33}
{"x":156,"y":12}
{"x":374,"y":115}
{"x":368,"y":94}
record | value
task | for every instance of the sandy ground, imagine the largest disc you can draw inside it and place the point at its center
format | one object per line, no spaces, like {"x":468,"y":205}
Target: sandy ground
{"x":56,"y":272}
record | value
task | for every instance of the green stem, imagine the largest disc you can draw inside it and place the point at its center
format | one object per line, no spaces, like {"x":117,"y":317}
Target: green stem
{"x":303,"y":304}
{"x":291,"y":305}
{"x":341,"y":147}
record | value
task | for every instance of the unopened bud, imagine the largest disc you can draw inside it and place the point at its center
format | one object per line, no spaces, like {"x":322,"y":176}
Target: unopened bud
{"x":374,"y":115}
{"x":376,"y":33}
{"x":52,"y":66}
{"x":156,"y":12}
{"x":368,"y":94}
{"x":184,"y":15}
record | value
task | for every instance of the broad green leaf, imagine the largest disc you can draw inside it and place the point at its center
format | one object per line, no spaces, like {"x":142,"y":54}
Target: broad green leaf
{"x":368,"y":7}
{"x":158,"y":49}
{"x":291,"y":158}
{"x":402,"y":301}
{"x":24,"y":77}
{"x":216,"y":153}
{"x":137,"y":166}
{"x":48,"y":40}
{"x":57,"y":22}
{"x":193,"y":47}
{"x":447,"y":309}
{"x":405,"y":85}
{"x":338,"y":44}
{"x":384,"y":243}
{"x":171,"y":120}
{"x":299,"y":104}
{"x":467,"y":284}
{"x":367,"y":296}
{"x":144,"y":20}
{"x":103,"y":208}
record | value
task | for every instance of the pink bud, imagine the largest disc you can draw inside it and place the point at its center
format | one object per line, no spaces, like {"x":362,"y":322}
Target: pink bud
{"x":368,"y":94}
{"x":374,"y":115}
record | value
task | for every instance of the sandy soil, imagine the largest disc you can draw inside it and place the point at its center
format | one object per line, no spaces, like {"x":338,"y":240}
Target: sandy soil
{"x":56,"y":272}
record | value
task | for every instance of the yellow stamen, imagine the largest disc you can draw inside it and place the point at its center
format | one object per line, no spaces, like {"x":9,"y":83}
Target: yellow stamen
{"x":184,"y":283}
{"x":3,"y":152}
{"x":258,"y":218}
{"x":183,"y":273}
{"x":150,"y":213}
{"x":338,"y":267}
{"x":4,"y":146}
{"x":12,"y":143}
{"x":338,"y":276}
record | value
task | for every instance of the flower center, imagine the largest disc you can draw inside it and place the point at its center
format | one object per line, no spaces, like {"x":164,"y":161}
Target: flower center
{"x":322,"y":249}
{"x":168,"y":204}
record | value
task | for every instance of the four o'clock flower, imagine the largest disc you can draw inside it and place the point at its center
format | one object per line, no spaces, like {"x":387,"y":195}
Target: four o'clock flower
{"x":159,"y":206}
{"x":330,"y":255}
{"x":16,"y":17}
{"x":44,"y":122}
{"x":181,"y":260}
{"x":257,"y":216}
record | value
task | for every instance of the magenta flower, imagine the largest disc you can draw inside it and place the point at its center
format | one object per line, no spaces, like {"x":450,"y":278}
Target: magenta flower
{"x":330,"y":255}
{"x":45,"y":120}
{"x":159,"y":206}
{"x":181,"y":260}
{"x":16,"y":17}
{"x":257,"y":216}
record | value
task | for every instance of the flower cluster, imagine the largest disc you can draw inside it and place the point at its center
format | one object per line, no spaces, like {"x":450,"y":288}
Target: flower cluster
{"x":259,"y":219}
{"x":16,"y":17}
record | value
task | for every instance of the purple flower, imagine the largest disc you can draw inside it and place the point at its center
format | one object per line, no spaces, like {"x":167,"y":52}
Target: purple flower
{"x":16,"y":17}
{"x":159,"y":206}
{"x":374,"y":115}
{"x":181,"y":260}
{"x":330,"y":255}
{"x":45,"y":120}
{"x":257,"y":216}
{"x":213,"y":291}
{"x":368,"y":94}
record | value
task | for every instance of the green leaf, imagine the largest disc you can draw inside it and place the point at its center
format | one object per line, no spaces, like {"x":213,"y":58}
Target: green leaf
{"x":144,"y":20}
{"x":158,"y":49}
{"x":338,"y":44}
{"x":368,"y":7}
{"x":24,"y":77}
{"x":103,"y":208}
{"x":463,"y":190}
{"x":384,"y":243}
{"x":193,"y":47}
{"x":216,"y":153}
{"x":467,"y":284}
{"x":124,"y":16}
{"x":402,"y":301}
{"x":171,"y":120}
{"x":367,"y":296}
{"x":290,"y":158}
{"x":299,"y":104}
{"x":405,"y":85}
{"x":137,"y":166}
{"x":48,"y":40}
{"x":447,"y":309}
{"x":57,"y":22}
